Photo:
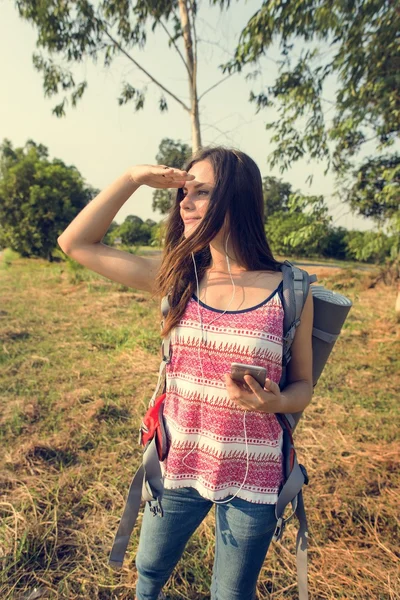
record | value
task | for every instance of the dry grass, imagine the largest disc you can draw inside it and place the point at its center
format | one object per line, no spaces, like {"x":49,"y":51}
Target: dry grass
{"x":79,"y":357}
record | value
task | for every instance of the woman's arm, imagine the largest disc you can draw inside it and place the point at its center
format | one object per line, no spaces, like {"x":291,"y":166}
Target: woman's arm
{"x":81,"y":240}
{"x":298,"y":392}
{"x":93,"y":221}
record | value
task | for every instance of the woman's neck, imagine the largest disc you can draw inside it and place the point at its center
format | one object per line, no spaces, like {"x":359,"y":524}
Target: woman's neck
{"x":219,"y":262}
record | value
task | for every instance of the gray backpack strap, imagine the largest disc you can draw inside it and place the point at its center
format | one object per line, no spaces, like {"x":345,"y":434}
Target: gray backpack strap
{"x":291,"y":492}
{"x":301,"y":549}
{"x":128,"y":520}
{"x":296,"y":284}
{"x":147,"y":483}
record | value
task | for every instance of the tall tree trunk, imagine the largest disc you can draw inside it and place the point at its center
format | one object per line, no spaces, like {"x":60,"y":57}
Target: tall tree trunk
{"x":195,"y":117}
{"x":192,"y":66}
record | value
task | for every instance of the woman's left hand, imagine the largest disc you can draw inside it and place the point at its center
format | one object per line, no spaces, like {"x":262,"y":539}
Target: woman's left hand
{"x":266,"y":400}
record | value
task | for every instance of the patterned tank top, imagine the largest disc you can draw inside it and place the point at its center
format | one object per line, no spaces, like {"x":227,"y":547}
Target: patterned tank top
{"x":210,"y":442}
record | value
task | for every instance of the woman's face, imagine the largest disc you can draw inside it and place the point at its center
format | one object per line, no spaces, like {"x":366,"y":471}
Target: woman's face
{"x":197,"y":192}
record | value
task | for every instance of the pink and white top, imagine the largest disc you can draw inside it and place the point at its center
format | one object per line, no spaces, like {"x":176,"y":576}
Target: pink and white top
{"x":208,"y":442}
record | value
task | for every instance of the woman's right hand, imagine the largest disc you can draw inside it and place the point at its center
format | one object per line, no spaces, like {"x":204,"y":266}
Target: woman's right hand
{"x":159,"y":176}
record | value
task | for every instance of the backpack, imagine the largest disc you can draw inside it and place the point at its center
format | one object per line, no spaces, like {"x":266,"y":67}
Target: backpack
{"x":330,"y":312}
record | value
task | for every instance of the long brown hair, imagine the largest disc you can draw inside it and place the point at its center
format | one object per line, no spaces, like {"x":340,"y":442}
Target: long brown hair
{"x":237,"y":195}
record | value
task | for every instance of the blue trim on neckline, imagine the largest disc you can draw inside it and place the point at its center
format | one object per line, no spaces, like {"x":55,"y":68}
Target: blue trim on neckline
{"x":235,"y":312}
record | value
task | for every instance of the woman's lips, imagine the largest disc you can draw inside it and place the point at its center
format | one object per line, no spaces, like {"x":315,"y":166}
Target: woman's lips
{"x":190,"y":220}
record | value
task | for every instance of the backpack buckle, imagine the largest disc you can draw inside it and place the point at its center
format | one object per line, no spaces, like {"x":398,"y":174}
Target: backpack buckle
{"x":157,"y":509}
{"x":280,"y":526}
{"x":305,"y":474}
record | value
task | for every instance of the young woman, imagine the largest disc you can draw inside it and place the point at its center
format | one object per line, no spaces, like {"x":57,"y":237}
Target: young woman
{"x":225,"y":294}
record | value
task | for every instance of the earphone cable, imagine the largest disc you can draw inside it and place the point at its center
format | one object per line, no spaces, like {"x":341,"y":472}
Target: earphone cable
{"x":202,"y":373}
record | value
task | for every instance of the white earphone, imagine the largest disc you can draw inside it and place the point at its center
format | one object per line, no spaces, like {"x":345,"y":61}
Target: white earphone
{"x":204,"y":340}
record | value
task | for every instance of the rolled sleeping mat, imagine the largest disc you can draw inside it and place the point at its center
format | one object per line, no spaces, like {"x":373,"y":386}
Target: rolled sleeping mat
{"x":330,"y":312}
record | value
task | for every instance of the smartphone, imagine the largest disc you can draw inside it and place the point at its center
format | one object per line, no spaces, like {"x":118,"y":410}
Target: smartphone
{"x":238,"y":371}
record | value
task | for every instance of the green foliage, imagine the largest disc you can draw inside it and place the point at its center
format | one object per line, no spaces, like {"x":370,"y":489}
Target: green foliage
{"x":111,"y":234}
{"x":394,"y":231}
{"x":335,"y":245}
{"x":131,"y":94}
{"x":8,"y":257}
{"x":363,"y":57}
{"x":362,"y":246}
{"x":157,"y":235}
{"x":376,"y":191}
{"x":368,"y":246}
{"x":376,"y":194}
{"x":276,"y":196}
{"x":172,"y":154}
{"x":134,"y":231}
{"x":38,"y":199}
{"x":362,"y":60}
{"x":301,"y":230}
{"x":76,"y":31}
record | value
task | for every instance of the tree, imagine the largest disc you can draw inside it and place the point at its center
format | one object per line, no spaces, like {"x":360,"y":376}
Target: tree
{"x":110,"y":235}
{"x":376,"y":190}
{"x":367,"y":246}
{"x":158,"y":235}
{"x":134,"y":231}
{"x":376,"y":194}
{"x":363,"y":57}
{"x":276,"y":196}
{"x":38,"y":198}
{"x":174,"y":154}
{"x":335,"y":245}
{"x":302,"y":229}
{"x":354,"y":45}
{"x":74,"y":31}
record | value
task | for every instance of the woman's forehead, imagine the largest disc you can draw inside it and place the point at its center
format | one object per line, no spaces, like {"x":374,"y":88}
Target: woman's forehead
{"x":203,"y":172}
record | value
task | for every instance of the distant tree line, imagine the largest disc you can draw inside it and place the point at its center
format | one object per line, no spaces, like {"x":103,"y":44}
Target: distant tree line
{"x":330,"y":242}
{"x":134,"y":231}
{"x":300,"y":225}
{"x":40,"y":197}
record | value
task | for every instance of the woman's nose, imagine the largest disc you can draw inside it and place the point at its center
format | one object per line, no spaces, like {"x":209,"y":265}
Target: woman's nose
{"x":187,"y":201}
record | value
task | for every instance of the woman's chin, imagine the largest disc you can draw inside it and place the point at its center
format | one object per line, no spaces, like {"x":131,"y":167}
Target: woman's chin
{"x":190,"y":228}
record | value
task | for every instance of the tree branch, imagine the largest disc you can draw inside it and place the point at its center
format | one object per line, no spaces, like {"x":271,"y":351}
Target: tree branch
{"x":174,"y":43}
{"x":224,"y":133}
{"x":146,"y":72}
{"x":215,"y":85}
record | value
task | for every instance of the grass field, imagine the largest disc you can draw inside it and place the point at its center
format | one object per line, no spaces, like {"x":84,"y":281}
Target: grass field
{"x":79,"y":359}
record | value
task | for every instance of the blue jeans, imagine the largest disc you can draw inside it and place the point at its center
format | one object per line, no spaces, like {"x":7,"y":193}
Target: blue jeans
{"x":243,"y":534}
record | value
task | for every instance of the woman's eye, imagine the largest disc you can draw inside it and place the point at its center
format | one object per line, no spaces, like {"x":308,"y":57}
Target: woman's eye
{"x":184,"y":193}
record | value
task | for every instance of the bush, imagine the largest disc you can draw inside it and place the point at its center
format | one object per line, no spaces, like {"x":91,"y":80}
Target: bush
{"x":335,"y":245}
{"x":368,"y":246}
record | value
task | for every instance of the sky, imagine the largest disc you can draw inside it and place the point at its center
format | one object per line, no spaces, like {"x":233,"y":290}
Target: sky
{"x":103,"y":139}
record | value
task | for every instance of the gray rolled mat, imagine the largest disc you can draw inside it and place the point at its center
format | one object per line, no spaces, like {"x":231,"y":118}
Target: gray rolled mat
{"x":330,"y":312}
